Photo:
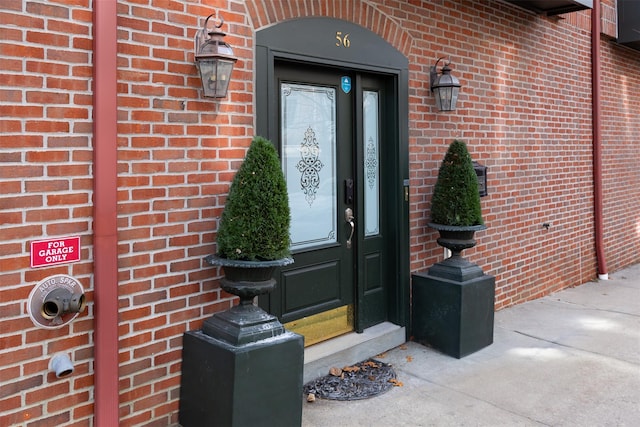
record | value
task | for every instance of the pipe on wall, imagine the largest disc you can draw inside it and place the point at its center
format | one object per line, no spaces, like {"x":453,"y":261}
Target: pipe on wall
{"x":105,"y":264}
{"x":597,"y":141}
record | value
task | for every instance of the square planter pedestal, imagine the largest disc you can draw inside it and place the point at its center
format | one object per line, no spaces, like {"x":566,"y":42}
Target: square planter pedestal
{"x":242,"y":369}
{"x":453,"y":307}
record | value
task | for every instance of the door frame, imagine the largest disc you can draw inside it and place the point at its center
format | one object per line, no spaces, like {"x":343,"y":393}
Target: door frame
{"x":345,"y":45}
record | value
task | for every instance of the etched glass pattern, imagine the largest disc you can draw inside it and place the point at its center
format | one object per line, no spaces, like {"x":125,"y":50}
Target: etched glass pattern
{"x":371,"y":163}
{"x":310,"y":166}
{"x":308,"y":130}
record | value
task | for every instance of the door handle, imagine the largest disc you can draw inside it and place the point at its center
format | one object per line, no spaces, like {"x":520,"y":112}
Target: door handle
{"x":349,"y":218}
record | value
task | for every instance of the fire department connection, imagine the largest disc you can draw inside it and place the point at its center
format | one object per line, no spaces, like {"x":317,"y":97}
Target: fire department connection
{"x":53,"y":303}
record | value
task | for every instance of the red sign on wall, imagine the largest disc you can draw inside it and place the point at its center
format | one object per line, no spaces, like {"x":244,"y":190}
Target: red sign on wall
{"x":55,"y":251}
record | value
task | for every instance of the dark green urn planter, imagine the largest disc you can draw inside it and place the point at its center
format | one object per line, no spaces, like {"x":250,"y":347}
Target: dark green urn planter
{"x":453,"y":301}
{"x":247,"y":279}
{"x":243,"y":368}
{"x":457,"y":238}
{"x":245,"y":322}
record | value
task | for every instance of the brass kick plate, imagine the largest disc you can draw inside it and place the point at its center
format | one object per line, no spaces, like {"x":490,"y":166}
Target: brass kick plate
{"x":323,"y":326}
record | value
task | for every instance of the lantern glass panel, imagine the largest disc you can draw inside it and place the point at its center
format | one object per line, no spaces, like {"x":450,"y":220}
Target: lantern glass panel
{"x":215,"y":74}
{"x":446,"y":97}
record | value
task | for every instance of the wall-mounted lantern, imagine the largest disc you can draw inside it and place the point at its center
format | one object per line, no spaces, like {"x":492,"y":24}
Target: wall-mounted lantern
{"x":444,"y":86}
{"x":214,"y":59}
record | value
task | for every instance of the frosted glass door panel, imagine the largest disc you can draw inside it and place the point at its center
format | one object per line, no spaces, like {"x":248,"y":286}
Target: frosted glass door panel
{"x":371,"y":163}
{"x":309,"y":162}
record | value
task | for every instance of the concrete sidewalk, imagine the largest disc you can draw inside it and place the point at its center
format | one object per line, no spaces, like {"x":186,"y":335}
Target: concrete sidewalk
{"x":569,"y":359}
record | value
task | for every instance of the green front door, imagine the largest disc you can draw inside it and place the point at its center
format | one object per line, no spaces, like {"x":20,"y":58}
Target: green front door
{"x":332,"y":140}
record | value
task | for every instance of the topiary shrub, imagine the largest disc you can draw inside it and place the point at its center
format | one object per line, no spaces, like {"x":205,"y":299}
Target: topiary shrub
{"x":256,"y":217}
{"x":455,"y":199}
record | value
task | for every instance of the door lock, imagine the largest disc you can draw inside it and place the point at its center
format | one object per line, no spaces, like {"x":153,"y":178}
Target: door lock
{"x":348,"y":191}
{"x":349,"y":218}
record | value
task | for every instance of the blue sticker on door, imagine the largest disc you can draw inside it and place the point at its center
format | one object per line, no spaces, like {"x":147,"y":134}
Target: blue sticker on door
{"x":346,"y":84}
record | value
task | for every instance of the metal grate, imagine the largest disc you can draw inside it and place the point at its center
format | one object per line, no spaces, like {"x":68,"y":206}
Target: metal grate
{"x":360,"y":381}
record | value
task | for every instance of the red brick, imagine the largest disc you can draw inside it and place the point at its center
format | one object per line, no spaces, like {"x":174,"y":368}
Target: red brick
{"x":67,"y":402}
{"x":22,"y":415}
{"x":44,"y":393}
{"x":149,"y":376}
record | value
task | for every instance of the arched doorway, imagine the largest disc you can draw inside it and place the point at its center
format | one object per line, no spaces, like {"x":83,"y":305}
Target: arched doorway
{"x":333,"y":98}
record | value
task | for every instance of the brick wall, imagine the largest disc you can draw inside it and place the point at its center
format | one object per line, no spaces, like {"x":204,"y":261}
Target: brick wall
{"x":177,"y":153}
{"x":620,"y":136}
{"x":525,"y":112}
{"x":45,"y":175}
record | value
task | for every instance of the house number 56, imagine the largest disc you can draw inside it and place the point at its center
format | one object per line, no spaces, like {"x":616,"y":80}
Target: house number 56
{"x":342,"y":40}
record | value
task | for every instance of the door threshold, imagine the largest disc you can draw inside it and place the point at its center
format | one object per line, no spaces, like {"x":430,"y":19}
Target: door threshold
{"x":351,"y":348}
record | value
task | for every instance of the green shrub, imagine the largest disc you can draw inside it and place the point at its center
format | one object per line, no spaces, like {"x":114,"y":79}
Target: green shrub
{"x":256,"y":217}
{"x":456,"y":200}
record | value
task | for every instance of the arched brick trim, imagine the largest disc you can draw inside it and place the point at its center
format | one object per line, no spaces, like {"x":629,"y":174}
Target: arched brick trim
{"x":268,"y":12}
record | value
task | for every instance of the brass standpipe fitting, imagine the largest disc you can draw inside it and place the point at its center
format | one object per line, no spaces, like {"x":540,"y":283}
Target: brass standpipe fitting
{"x":61,"y":301}
{"x":55,"y":301}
